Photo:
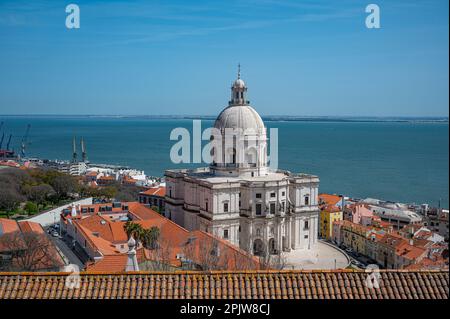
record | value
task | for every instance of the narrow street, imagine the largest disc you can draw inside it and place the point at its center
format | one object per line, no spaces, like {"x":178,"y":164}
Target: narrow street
{"x":69,"y":256}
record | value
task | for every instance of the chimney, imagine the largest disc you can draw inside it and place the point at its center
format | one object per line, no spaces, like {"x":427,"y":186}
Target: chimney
{"x":132,"y":263}
{"x":73,"y":213}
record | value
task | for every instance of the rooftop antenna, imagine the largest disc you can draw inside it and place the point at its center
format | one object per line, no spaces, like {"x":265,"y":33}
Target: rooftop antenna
{"x":74,"y":150}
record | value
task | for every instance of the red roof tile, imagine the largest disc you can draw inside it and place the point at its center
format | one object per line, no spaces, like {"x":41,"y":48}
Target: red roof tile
{"x":329,"y":199}
{"x":340,"y":284}
{"x":155,"y":191}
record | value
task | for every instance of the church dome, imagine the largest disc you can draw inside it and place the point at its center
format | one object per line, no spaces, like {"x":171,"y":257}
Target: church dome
{"x":239,"y":116}
{"x":230,"y":158}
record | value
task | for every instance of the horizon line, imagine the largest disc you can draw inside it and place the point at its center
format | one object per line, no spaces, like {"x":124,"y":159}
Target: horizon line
{"x":214,"y":116}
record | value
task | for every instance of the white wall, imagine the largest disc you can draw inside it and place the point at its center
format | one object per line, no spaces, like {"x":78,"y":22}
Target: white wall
{"x":52,"y":216}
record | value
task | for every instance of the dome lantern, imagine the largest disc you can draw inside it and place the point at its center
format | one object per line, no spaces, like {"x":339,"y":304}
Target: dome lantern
{"x":238,"y":91}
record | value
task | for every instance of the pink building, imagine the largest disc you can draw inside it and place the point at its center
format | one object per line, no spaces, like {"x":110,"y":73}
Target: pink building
{"x":361,"y":215}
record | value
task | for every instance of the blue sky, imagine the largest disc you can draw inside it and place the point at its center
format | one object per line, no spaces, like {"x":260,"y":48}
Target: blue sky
{"x":310,"y":58}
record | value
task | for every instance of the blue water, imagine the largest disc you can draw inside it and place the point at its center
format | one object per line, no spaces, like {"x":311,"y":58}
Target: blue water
{"x":405,"y":162}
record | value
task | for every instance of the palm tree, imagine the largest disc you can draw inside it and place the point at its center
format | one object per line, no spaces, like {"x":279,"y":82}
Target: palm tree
{"x":133,"y":229}
{"x":149,"y":237}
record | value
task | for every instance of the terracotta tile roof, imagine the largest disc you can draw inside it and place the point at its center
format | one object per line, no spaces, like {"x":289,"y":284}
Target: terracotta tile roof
{"x":408,"y":251}
{"x":110,"y":231}
{"x":142,"y":212}
{"x":331,"y":208}
{"x":8,"y":226}
{"x":26,"y":227}
{"x":129,"y":180}
{"x":110,"y":263}
{"x":103,"y":246}
{"x":343,"y":284}
{"x":155,"y":191}
{"x":102,"y":234}
{"x":50,"y":258}
{"x":106,"y":178}
{"x":392,"y":240}
{"x":329,"y":199}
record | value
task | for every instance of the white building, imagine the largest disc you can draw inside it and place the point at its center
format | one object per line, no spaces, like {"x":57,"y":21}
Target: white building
{"x":239,"y":197}
{"x":397,"y":214}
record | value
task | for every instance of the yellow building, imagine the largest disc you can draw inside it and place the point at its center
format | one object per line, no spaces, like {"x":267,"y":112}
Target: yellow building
{"x":328,"y":215}
{"x":354,"y":236}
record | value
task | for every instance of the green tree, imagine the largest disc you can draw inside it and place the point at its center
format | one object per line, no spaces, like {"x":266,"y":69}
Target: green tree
{"x":63,"y":185}
{"x":133,"y":229}
{"x":150,"y":237}
{"x":10,"y":200}
{"x":109,"y":192}
{"x":39,"y":193}
{"x":147,"y":237}
{"x":31,"y":208}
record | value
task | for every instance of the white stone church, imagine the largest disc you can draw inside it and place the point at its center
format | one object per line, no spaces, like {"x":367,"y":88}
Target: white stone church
{"x":239,"y":197}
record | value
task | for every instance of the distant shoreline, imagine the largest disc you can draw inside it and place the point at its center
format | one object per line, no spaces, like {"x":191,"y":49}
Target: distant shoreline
{"x":269,"y":118}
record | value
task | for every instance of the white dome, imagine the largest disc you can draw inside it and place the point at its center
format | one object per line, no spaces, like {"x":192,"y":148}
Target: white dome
{"x":239,"y":83}
{"x":239,"y":116}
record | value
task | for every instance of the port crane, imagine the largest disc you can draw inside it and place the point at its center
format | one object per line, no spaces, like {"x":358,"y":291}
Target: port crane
{"x":9,"y":142}
{"x":24,"y":141}
{"x":5,"y":153}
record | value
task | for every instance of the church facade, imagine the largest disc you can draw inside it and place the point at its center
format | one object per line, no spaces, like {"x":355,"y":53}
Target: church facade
{"x":239,"y":197}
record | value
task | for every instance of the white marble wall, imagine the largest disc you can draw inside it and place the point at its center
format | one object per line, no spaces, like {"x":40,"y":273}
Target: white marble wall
{"x":203,"y":208}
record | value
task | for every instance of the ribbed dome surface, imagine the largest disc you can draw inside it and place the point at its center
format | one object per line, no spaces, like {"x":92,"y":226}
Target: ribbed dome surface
{"x":239,"y":116}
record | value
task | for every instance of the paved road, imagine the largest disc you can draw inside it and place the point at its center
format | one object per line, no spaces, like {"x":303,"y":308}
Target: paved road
{"x":70,"y":257}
